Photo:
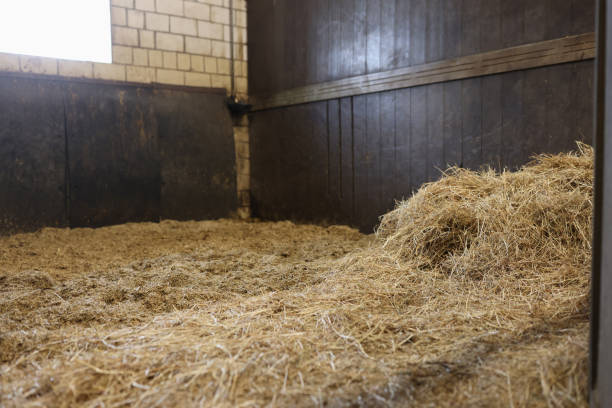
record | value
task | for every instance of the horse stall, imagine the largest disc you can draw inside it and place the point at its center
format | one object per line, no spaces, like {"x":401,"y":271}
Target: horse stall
{"x":303,"y":203}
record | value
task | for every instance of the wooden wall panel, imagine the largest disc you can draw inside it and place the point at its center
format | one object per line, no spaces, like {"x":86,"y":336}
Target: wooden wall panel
{"x":377,"y":148}
{"x":32,"y":155}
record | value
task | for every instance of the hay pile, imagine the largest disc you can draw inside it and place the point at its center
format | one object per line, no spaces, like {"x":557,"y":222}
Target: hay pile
{"x":475,"y":293}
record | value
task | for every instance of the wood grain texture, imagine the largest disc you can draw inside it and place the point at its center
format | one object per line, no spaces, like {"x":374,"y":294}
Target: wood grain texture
{"x":534,"y":55}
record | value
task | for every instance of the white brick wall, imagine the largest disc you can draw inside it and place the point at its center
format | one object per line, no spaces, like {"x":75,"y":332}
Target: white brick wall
{"x":182,"y":42}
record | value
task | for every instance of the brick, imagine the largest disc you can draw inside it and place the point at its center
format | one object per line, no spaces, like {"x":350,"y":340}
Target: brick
{"x":156,"y":58}
{"x":136,"y":18}
{"x":125,"y":36}
{"x":240,"y":35}
{"x":122,"y":55}
{"x":181,"y":25}
{"x":197,"y":10}
{"x":220,"y":49}
{"x":123,"y":3}
{"x":140,"y":74}
{"x":213,"y":2}
{"x":219,"y":15}
{"x":79,"y":69}
{"x":242,"y":85}
{"x":170,"y":60}
{"x":197,"y":79}
{"x":184,"y":62}
{"x":169,"y":42}
{"x":147,"y":39}
{"x":145,"y":5}
{"x":118,"y":16}
{"x":242,"y":150}
{"x":174,"y":7}
{"x":240,"y":52}
{"x":157,"y":22}
{"x":109,"y":72}
{"x":210,"y":30}
{"x":240,"y":5}
{"x":221,"y":81}
{"x":37,"y":65}
{"x":199,"y":46}
{"x":197,"y":63}
{"x":210,"y":65}
{"x":141,"y":57}
{"x":240,"y":18}
{"x":243,"y":166}
{"x":223,"y":66}
{"x":241,"y":134}
{"x":170,"y":77}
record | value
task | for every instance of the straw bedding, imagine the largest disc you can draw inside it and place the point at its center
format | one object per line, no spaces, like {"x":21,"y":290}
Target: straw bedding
{"x":474,"y":292}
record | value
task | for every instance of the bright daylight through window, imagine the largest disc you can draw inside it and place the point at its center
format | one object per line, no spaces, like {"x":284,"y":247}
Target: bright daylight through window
{"x":65,"y":29}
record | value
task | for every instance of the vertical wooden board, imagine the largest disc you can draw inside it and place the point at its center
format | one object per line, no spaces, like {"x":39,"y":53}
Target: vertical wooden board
{"x":452,"y":124}
{"x":402,"y":34}
{"x":388,"y":156}
{"x":347,"y":27}
{"x":471,"y":129}
{"x":373,"y":158}
{"x":559,"y":20}
{"x":560,"y":117}
{"x":360,"y":38}
{"x":361,"y":163}
{"x":434,"y":48}
{"x":322,"y":40}
{"x":335,"y":39}
{"x":312,"y":26}
{"x":32,"y":153}
{"x":452,"y":29}
{"x":279,"y":45}
{"x":387,"y":35}
{"x":490,"y":25}
{"x":373,"y":39}
{"x":113,"y":154}
{"x":403,"y":131}
{"x":299,"y":45}
{"x":255,"y":49}
{"x":347,"y":162}
{"x":334,"y":159}
{"x":512,"y":114}
{"x":492,"y":121}
{"x":470,"y":32}
{"x":512,"y":22}
{"x":263,"y":76}
{"x":536,"y":20}
{"x":418,"y":31}
{"x":419,"y":162}
{"x":583,"y":98}
{"x":536,"y":93}
{"x":198,"y":158}
{"x":583,"y":13}
{"x":435,"y":131}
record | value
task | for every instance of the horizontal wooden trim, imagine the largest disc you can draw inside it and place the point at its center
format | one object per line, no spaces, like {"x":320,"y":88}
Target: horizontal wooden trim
{"x":540,"y":54}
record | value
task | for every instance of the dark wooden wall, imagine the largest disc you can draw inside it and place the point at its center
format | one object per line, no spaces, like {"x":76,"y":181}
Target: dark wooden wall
{"x":347,"y":160}
{"x":88,"y":154}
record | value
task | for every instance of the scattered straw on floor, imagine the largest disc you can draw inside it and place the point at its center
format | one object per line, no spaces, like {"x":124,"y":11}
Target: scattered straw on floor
{"x":473,"y":293}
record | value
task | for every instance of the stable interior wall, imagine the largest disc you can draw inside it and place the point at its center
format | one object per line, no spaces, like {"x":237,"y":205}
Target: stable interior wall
{"x":146,"y":137}
{"x":347,"y":160}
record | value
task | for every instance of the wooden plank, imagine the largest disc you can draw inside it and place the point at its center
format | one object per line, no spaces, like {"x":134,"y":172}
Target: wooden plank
{"x":32,"y":153}
{"x":322,"y":24}
{"x":452,"y":29}
{"x":568,"y":49}
{"x":388,"y":155}
{"x":403,"y":123}
{"x":359,"y":39}
{"x":584,"y":88}
{"x":114,"y":160}
{"x":401,"y":34}
{"x":419,"y":160}
{"x":347,"y":162}
{"x":373,"y":158}
{"x":512,"y":112}
{"x":387,"y":35}
{"x":435,"y":131}
{"x":452,"y":124}
{"x":535,"y":20}
{"x":434,"y":42}
{"x":512,"y":22}
{"x":347,"y":27}
{"x":361,"y":158}
{"x":418,"y":32}
{"x":334,"y":160}
{"x":373,"y":39}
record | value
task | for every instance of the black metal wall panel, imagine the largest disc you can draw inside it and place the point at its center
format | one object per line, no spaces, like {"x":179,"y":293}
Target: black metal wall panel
{"x":32,"y":155}
{"x":198,"y":165}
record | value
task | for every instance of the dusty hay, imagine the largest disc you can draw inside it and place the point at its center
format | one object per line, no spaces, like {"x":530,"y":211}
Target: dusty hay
{"x":476,"y":294}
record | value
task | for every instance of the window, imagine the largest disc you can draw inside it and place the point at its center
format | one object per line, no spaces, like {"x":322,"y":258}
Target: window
{"x":66,"y":29}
